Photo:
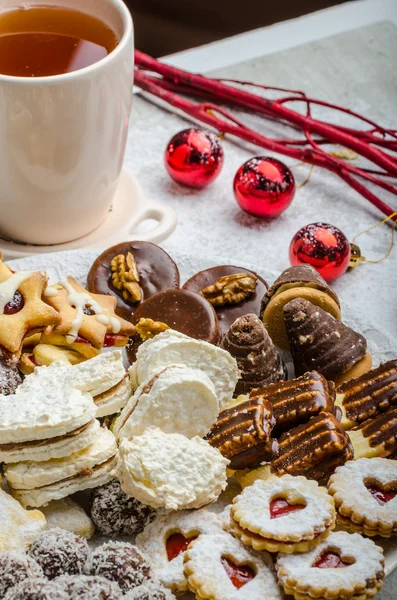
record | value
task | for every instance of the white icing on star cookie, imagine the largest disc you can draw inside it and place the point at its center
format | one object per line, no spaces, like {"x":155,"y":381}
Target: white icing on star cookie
{"x":153,"y":542}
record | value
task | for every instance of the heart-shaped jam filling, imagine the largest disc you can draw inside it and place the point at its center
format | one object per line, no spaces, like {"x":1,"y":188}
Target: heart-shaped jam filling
{"x":381,"y":496}
{"x":331,"y":560}
{"x":239,"y":575}
{"x":177,"y":543}
{"x":279,"y":507}
{"x":15,"y":305}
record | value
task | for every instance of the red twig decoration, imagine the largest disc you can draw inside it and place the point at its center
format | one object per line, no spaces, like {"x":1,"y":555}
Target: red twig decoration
{"x":376,"y":144}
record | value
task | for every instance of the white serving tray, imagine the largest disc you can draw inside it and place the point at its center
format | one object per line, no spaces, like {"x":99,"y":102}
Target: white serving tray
{"x":78,"y":262}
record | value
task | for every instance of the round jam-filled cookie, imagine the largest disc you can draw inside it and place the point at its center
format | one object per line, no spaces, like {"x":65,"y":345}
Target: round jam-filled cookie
{"x":113,"y":272}
{"x":365,"y":495}
{"x":184,"y":311}
{"x":342,"y":566}
{"x":228,"y":313}
{"x":219,"y":567}
{"x":167,"y":538}
{"x":283,"y":514}
{"x":60,"y":552}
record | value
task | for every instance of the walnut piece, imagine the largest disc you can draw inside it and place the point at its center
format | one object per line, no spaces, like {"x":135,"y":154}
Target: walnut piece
{"x":230,"y":289}
{"x":125,"y":277}
{"x":147,"y":328}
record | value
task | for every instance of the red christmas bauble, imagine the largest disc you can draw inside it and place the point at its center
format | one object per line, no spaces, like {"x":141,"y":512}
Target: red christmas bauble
{"x":194,"y":157}
{"x":323,"y":246}
{"x":264,"y":187}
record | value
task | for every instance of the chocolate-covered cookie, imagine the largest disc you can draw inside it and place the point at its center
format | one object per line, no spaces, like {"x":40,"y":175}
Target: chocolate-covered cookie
{"x":181,"y":310}
{"x":133,"y":272}
{"x":228,"y":312}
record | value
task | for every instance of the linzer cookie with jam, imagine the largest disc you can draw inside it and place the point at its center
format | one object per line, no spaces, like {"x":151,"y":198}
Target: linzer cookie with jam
{"x":313,"y":449}
{"x":45,"y":419}
{"x":257,"y":358}
{"x":132,"y":272}
{"x":283,"y":514}
{"x":375,"y":437}
{"x":88,"y":321}
{"x":243,"y":434}
{"x":166,"y":539}
{"x":180,"y":310}
{"x":299,"y":281}
{"x":320,"y":342}
{"x":219,"y":567}
{"x":369,"y":395}
{"x":233,"y":291}
{"x":35,"y":484}
{"x":344,"y":565}
{"x":296,"y":401}
{"x":365,"y":495}
{"x":22,"y":309}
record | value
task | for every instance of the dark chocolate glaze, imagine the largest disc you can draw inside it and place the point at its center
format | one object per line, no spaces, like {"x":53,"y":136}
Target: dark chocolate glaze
{"x":299,"y":274}
{"x":257,"y":358}
{"x":184,"y":311}
{"x":320,"y":342}
{"x":313,"y":449}
{"x":157,"y":272}
{"x":242,"y":433}
{"x":228,"y":313}
{"x":372,"y":393}
{"x":381,"y":431}
{"x":295,"y":402}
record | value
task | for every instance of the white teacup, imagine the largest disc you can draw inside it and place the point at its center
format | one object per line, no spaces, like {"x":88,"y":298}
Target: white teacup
{"x":62,"y":138}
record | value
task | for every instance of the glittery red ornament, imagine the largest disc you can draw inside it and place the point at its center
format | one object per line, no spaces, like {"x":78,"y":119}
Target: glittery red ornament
{"x":323,"y":246}
{"x":264,"y":187}
{"x":194,"y":157}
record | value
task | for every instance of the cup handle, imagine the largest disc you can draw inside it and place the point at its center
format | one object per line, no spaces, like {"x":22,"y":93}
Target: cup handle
{"x":166,"y":222}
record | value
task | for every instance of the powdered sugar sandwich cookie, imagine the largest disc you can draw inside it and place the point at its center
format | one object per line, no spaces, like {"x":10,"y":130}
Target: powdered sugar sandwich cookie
{"x":171,"y":347}
{"x":166,"y":539}
{"x":170,"y":470}
{"x":283,"y":514}
{"x":177,"y":399}
{"x":344,"y":566}
{"x":365,"y":495}
{"x":45,"y":419}
{"x":219,"y":567}
{"x":37,"y":483}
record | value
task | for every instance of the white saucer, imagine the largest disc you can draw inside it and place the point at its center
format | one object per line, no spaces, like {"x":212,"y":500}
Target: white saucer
{"x":130,"y":208}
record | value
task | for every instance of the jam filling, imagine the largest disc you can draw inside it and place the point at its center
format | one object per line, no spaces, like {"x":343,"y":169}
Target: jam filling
{"x":279,"y":507}
{"x":239,"y":575}
{"x":176,"y":544}
{"x":80,"y":340}
{"x":110,"y":340}
{"x":15,"y":305}
{"x":331,"y":560}
{"x":381,"y":496}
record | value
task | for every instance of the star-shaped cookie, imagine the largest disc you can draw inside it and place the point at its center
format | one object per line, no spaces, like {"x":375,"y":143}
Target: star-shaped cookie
{"x":22,"y":310}
{"x":88,"y":321}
